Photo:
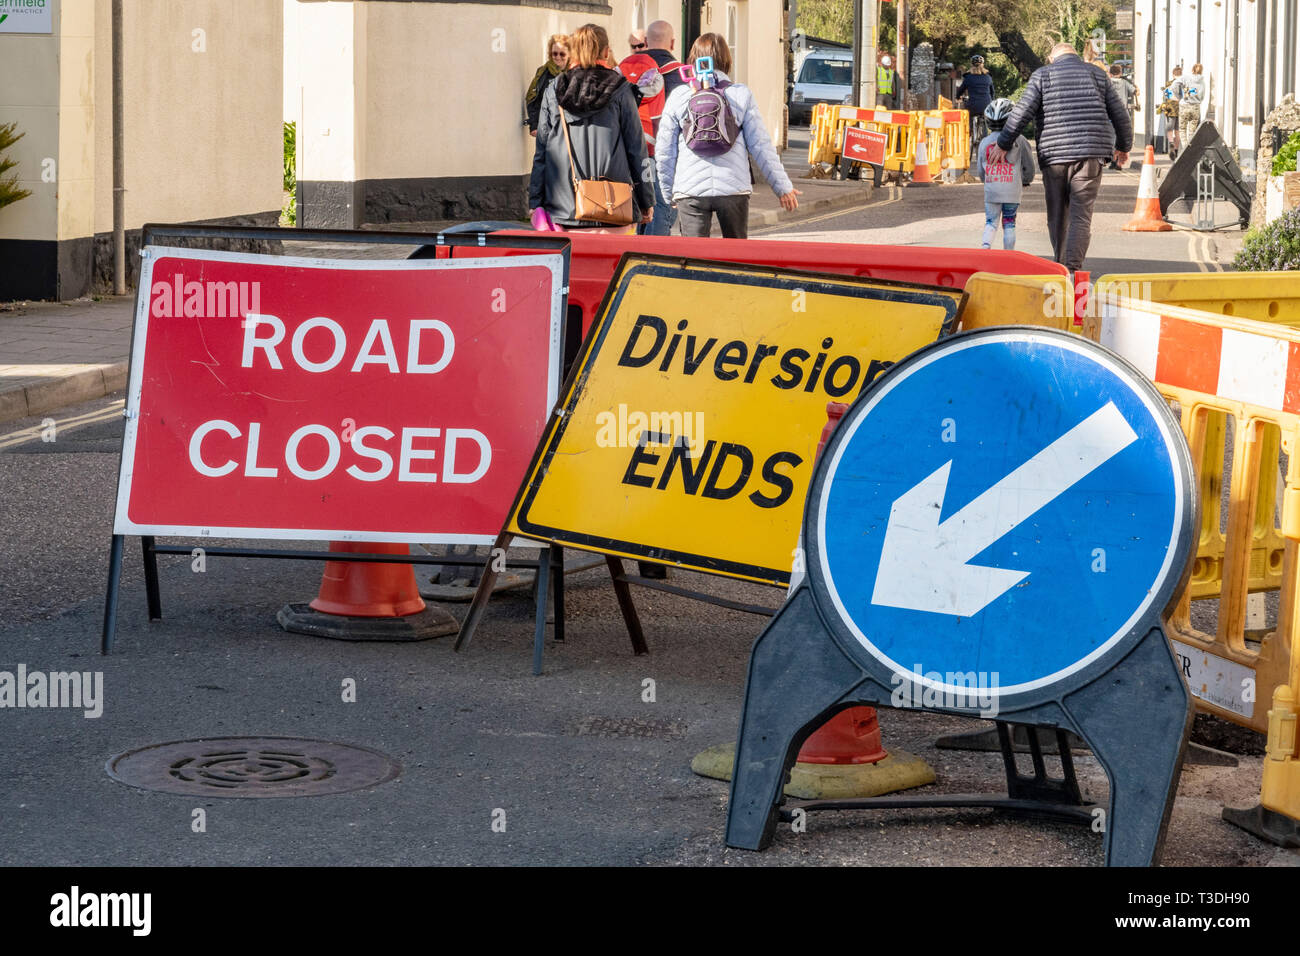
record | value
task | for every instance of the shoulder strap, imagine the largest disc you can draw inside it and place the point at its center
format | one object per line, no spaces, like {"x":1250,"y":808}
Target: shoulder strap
{"x":573,"y":163}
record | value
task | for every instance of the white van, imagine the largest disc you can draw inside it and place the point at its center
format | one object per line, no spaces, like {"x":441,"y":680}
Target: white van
{"x":821,"y":76}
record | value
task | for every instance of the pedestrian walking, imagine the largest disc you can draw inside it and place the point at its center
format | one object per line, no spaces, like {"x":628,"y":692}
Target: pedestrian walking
{"x":1081,"y":124}
{"x":706,"y":138}
{"x":660,"y":41}
{"x":1128,"y":94}
{"x":637,"y":41}
{"x":557,"y":61}
{"x":1195,"y":92}
{"x":977,"y":87}
{"x":643,"y":73}
{"x":1169,"y":112}
{"x":1005,"y":179}
{"x":589,"y":131}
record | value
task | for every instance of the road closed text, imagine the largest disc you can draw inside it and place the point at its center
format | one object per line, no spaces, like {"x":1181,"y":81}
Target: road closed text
{"x":365,"y":452}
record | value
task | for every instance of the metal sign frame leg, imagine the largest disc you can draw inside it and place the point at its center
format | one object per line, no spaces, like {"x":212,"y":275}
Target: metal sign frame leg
{"x":110,"y":598}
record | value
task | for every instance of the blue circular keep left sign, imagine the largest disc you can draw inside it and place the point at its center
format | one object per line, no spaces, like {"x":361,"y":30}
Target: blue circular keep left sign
{"x":1006,"y":505}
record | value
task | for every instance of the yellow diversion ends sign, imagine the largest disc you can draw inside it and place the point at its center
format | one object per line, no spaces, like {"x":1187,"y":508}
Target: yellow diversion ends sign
{"x":690,"y":424}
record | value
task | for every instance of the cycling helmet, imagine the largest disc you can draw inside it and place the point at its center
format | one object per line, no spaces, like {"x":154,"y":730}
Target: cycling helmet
{"x":998,"y":110}
{"x":977,"y":60}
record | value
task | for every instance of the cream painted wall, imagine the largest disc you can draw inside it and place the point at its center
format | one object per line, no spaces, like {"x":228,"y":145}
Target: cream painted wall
{"x":431,"y":90}
{"x":446,"y":84}
{"x":203,"y":111}
{"x":29,"y":77}
{"x":76,"y":167}
{"x":326,"y":90}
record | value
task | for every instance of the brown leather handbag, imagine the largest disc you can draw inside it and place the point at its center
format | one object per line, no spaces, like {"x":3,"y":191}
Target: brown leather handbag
{"x":598,"y":200}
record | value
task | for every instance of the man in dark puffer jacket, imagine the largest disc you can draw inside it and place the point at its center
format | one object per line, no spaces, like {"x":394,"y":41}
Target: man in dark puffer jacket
{"x":1082,"y":122}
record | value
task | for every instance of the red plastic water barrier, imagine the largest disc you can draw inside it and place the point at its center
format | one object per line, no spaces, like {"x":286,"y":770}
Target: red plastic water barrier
{"x":595,"y":257}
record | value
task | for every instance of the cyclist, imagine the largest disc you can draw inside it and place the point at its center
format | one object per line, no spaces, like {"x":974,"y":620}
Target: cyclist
{"x":977,"y":86}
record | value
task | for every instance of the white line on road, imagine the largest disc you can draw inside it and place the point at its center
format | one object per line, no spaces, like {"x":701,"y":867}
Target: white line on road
{"x":22,"y":436}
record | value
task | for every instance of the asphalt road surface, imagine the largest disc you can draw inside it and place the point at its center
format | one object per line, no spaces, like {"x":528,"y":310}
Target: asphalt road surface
{"x":580,"y":767}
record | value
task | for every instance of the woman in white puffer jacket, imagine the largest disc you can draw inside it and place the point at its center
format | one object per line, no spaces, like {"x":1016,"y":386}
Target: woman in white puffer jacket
{"x":700,"y":186}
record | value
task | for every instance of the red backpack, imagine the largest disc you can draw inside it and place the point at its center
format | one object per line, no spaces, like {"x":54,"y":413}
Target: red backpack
{"x":643,"y":72}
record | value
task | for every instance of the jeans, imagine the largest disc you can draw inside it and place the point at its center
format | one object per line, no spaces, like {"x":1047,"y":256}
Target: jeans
{"x":665,"y":214}
{"x":1071,"y":191}
{"x":696,"y":215}
{"x":1006,"y":211}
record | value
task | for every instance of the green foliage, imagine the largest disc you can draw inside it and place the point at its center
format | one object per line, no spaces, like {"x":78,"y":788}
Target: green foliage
{"x":290,"y":157}
{"x":9,"y":191}
{"x":1285,"y":160}
{"x":1271,"y":248}
{"x":289,"y":212}
{"x":828,"y":19}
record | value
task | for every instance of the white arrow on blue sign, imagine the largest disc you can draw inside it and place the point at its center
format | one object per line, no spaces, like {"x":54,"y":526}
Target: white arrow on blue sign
{"x":1004,"y":505}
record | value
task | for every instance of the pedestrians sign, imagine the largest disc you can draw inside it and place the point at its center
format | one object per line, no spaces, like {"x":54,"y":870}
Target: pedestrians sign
{"x":995,"y":525}
{"x":865,"y":145}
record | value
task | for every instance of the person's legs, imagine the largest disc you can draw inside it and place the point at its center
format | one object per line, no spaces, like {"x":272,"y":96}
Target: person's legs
{"x":992,"y":213}
{"x":665,"y":216}
{"x":1056,"y":187}
{"x":1085,"y":181}
{"x":733,"y":215}
{"x":695,"y":213}
{"x":1009,"y":224}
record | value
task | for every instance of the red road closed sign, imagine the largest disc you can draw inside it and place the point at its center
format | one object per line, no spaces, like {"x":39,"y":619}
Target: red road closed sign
{"x":274,"y":397}
{"x":865,"y":145}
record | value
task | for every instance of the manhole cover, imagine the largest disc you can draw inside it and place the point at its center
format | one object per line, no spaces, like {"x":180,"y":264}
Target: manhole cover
{"x":252,"y":767}
{"x":625,"y":727}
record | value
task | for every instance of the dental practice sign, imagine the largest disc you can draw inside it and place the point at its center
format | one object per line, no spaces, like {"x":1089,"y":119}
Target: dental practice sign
{"x":275,"y":397}
{"x":26,"y":16}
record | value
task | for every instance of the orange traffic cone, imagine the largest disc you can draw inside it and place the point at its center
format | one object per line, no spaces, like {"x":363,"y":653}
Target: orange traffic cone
{"x":368,"y":601}
{"x":1146,"y":213}
{"x":852,"y":736}
{"x":921,"y":167}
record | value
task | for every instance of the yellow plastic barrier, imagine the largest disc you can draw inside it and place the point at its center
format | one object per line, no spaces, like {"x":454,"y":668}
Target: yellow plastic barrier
{"x":900,"y":127}
{"x":1214,"y":366}
{"x":956,"y":139}
{"x":1272,"y":297}
{"x":1263,"y":296}
{"x":1222,"y":365}
{"x":1005,"y":300}
{"x":821,"y":136}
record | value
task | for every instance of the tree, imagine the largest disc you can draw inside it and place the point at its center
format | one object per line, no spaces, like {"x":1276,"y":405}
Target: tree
{"x":828,"y":19}
{"x":9,"y":191}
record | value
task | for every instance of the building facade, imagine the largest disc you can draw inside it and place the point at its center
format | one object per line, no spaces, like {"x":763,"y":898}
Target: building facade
{"x":406,"y":111}
{"x":1247,"y":48}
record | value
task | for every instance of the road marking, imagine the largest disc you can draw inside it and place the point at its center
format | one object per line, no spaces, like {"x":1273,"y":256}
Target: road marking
{"x":22,"y":436}
{"x":923,"y":564}
{"x":896,"y":194}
